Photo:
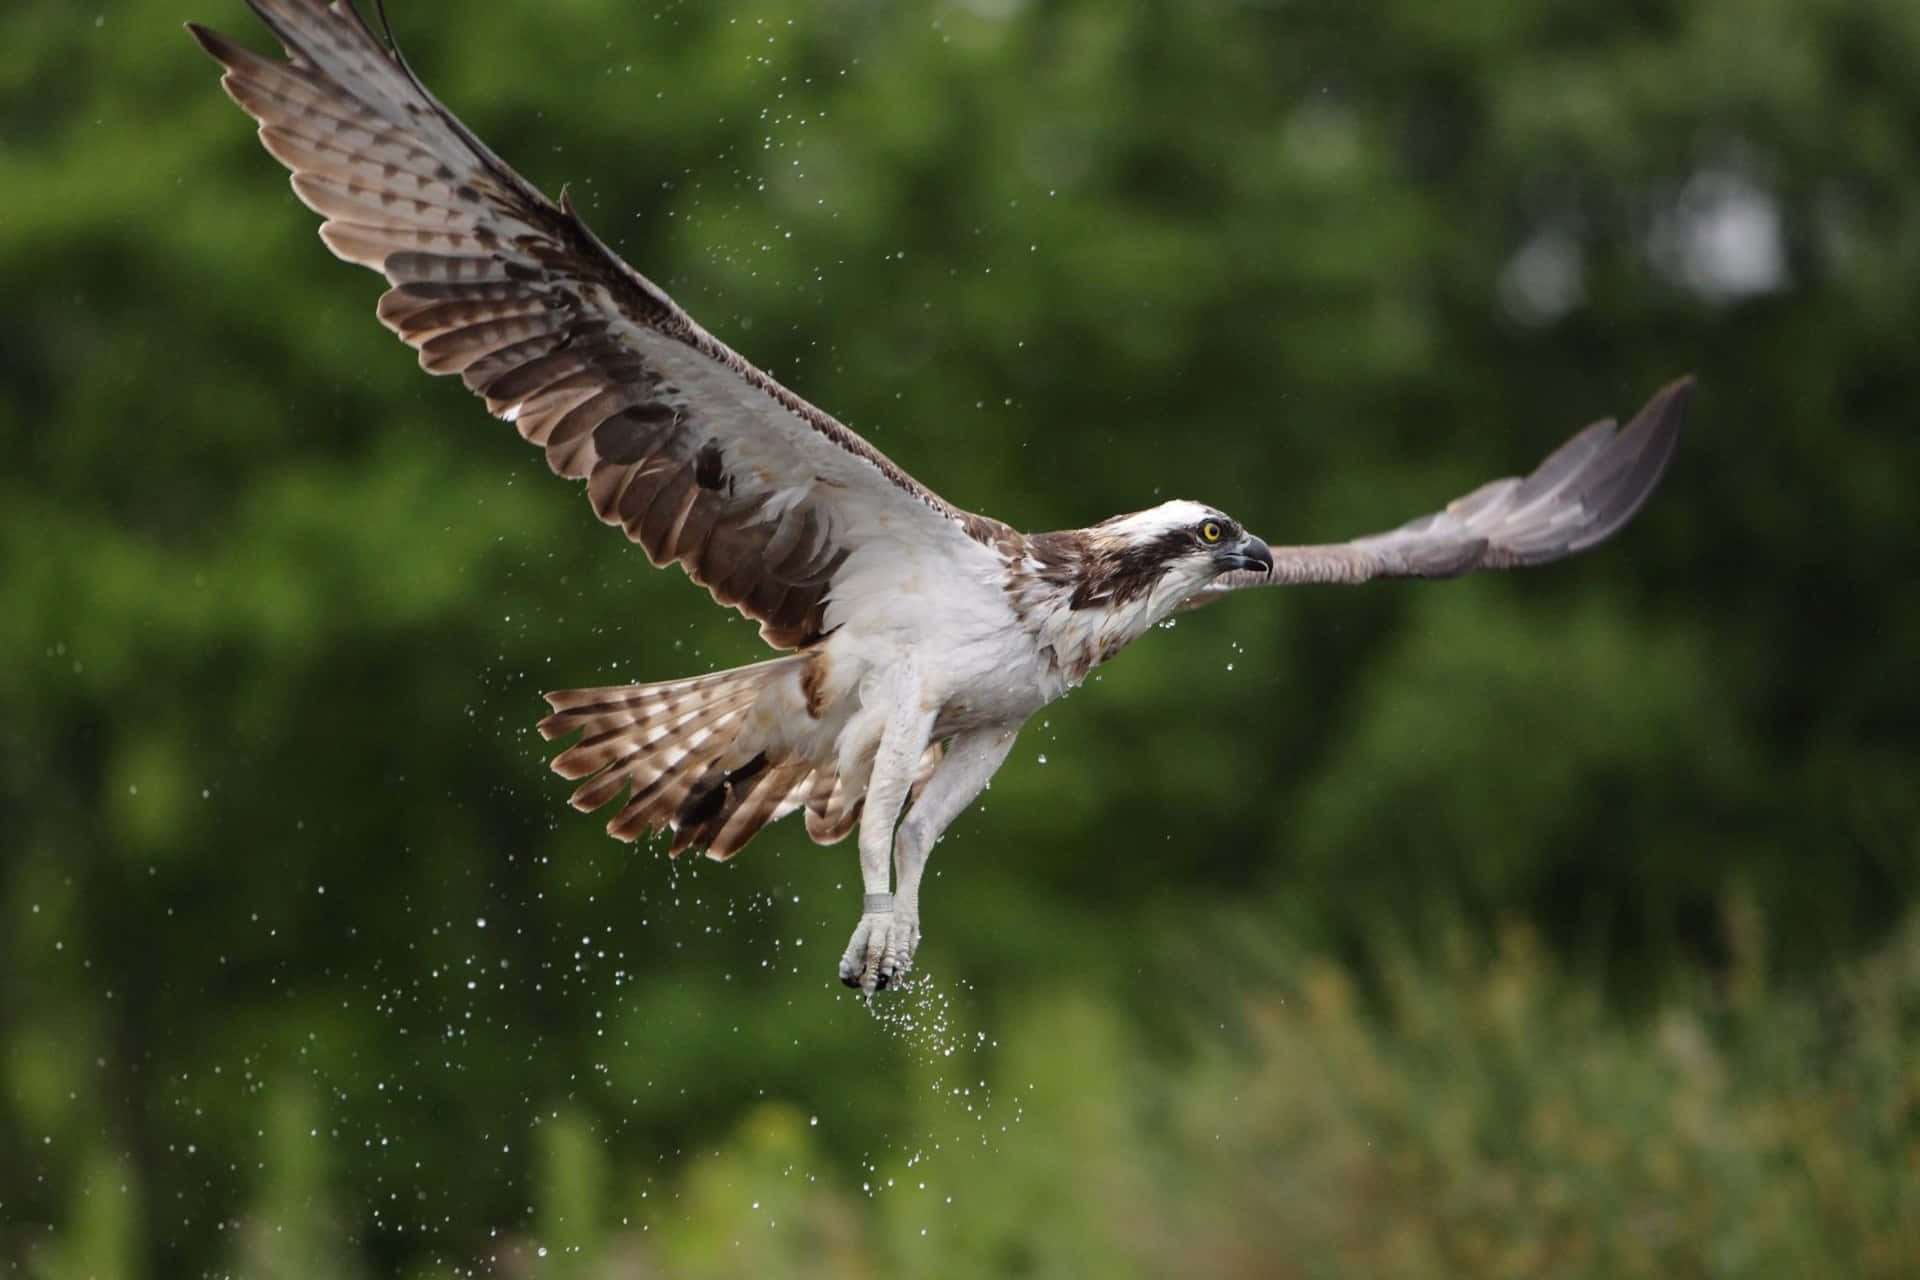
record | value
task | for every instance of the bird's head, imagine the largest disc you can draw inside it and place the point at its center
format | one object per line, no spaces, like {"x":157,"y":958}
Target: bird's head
{"x":1168,"y":552}
{"x":1088,"y":593}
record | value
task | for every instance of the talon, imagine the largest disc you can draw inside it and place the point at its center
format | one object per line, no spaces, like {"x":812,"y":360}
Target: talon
{"x":880,"y":951}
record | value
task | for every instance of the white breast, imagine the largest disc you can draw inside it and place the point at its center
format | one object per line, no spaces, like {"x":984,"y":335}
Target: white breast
{"x":977,"y":664}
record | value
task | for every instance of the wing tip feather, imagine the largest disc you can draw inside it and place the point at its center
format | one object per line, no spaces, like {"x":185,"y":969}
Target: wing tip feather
{"x":222,"y":48}
{"x":1647,"y":445}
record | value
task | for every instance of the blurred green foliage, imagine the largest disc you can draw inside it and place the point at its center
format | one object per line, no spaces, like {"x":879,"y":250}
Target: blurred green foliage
{"x":1404,"y":931}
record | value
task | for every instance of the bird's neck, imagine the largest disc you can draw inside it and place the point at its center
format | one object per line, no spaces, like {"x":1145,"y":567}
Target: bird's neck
{"x":1082,"y":604}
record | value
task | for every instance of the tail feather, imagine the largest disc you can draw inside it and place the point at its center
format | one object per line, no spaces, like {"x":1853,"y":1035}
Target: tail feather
{"x":671,"y":749}
{"x":669,"y":755}
{"x":758,"y":807}
{"x":664,"y":732}
{"x":723,"y":813}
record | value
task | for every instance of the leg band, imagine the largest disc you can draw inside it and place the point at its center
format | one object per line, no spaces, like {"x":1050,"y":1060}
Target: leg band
{"x":876,"y":903}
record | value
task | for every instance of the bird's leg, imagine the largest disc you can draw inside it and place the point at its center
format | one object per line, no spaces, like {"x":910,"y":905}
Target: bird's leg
{"x":882,"y":941}
{"x":971,"y":760}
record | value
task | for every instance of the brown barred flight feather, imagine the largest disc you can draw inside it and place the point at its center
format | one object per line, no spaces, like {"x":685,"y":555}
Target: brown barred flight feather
{"x":493,"y":281}
{"x":663,"y":746}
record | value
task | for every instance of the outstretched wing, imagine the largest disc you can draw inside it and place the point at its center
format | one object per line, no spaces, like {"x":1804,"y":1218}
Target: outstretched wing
{"x":1585,"y":492}
{"x":698,"y":455}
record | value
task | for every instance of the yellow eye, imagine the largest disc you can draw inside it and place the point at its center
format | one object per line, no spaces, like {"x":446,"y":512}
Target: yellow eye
{"x":1210,"y":531}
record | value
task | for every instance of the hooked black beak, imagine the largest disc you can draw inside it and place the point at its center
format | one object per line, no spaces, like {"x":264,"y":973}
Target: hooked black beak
{"x":1248,"y":553}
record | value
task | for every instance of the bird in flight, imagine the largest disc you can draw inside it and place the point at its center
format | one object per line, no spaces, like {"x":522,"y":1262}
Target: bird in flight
{"x":915,"y":638}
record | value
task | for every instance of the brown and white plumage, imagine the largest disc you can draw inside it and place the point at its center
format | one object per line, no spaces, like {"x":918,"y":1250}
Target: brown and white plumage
{"x":924,"y":636}
{"x":699,"y":456}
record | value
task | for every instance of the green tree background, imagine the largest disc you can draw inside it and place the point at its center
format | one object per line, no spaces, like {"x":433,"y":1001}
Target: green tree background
{"x":1558,"y":922}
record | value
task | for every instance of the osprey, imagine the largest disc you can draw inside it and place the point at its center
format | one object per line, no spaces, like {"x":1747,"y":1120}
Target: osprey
{"x":918,"y":637}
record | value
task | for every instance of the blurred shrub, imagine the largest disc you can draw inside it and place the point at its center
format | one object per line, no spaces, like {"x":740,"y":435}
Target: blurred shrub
{"x":1485,"y":1116}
